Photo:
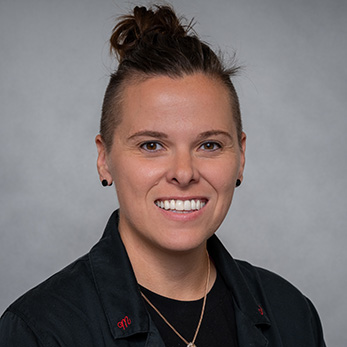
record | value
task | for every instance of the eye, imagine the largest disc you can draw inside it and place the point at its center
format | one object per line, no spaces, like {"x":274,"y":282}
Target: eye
{"x":151,"y":146}
{"x":210,"y":146}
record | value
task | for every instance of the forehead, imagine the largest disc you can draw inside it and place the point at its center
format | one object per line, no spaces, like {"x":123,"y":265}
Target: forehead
{"x":196,"y":100}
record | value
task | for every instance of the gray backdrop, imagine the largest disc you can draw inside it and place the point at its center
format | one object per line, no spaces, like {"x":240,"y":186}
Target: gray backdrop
{"x":289,"y":215}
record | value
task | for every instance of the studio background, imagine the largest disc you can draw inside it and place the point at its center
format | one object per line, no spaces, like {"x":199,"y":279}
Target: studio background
{"x":289,"y":215}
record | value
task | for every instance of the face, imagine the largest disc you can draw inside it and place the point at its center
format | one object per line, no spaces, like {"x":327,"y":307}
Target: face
{"x":175,"y":160}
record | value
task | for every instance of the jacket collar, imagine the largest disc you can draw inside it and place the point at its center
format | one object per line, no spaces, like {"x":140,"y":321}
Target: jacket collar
{"x":122,"y":302}
{"x":249,"y":313}
{"x":116,"y":284}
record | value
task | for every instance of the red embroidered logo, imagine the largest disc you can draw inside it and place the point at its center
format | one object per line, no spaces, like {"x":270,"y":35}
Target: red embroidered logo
{"x":260,"y":310}
{"x":124,"y":323}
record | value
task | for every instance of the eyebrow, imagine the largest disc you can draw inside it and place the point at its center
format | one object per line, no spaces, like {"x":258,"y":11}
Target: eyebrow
{"x":209,"y":133}
{"x":161,"y":135}
{"x":149,"y":133}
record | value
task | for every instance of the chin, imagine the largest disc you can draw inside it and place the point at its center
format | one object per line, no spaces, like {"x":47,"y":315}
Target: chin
{"x":183,"y":242}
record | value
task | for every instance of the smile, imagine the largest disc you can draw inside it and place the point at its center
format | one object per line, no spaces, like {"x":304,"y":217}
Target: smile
{"x":181,"y":205}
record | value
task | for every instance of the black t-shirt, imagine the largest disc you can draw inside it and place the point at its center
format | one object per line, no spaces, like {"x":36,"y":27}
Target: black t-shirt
{"x":218,"y":327}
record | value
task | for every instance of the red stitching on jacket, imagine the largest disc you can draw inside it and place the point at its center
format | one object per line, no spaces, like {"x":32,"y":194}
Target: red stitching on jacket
{"x":124,"y":323}
{"x":260,"y":310}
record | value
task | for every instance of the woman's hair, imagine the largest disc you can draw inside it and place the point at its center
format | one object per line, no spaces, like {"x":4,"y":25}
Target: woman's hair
{"x":155,"y":42}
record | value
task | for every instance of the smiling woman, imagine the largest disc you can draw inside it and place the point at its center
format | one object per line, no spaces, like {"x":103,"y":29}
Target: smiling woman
{"x":171,"y":140}
{"x":169,"y":148}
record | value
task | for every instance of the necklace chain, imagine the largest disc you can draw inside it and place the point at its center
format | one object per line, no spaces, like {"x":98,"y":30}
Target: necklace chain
{"x":189,"y":344}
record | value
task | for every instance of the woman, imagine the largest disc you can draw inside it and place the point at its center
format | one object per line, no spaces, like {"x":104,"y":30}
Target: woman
{"x":171,"y":140}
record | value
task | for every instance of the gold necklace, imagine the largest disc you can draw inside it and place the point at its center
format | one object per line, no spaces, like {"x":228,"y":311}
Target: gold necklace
{"x":189,"y":344}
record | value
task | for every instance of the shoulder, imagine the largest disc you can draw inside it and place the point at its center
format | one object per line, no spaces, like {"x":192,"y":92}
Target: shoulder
{"x":276,"y":289}
{"x":59,"y":304}
{"x":253,"y":283}
{"x":255,"y":275}
{"x":292,"y":311}
{"x":15,"y":332}
{"x":63,"y":284}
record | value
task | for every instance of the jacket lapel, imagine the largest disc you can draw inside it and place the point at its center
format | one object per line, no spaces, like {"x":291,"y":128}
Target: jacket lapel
{"x":117,"y":287}
{"x":250,"y":316}
{"x":248,"y":333}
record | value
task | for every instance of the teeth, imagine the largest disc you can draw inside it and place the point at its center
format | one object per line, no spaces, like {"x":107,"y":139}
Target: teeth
{"x":181,"y":205}
{"x":186,"y":205}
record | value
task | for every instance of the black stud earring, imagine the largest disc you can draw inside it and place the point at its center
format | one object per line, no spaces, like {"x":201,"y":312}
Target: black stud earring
{"x":104,"y":183}
{"x":238,"y":183}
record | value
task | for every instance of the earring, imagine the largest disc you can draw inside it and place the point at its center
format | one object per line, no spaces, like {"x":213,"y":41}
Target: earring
{"x":238,"y":183}
{"x":105,"y":183}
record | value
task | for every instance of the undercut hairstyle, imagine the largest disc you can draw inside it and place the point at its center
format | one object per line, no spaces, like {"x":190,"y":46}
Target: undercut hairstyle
{"x":155,"y":42}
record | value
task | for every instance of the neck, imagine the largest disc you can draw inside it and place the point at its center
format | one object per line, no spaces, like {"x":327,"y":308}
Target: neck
{"x":176,"y":275}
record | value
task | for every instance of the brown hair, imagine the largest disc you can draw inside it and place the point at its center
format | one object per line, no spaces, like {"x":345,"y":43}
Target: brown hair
{"x":153,"y":42}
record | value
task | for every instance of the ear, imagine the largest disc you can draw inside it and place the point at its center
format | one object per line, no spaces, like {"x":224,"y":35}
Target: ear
{"x":101,"y":163}
{"x":243,"y":156}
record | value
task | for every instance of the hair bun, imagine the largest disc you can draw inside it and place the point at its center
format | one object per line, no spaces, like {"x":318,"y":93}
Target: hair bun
{"x":145,"y":25}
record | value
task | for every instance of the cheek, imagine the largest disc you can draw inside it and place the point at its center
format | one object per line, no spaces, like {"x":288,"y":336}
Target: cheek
{"x":222,"y":176}
{"x":135,"y":175}
{"x":149,"y":171}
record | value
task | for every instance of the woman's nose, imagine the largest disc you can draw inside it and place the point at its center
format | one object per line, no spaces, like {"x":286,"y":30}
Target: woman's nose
{"x":183,"y":170}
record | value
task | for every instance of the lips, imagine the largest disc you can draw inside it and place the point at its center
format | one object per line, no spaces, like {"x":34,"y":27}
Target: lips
{"x":181,"y":205}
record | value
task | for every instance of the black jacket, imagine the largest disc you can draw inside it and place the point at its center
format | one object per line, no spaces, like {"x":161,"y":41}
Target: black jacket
{"x":95,"y":301}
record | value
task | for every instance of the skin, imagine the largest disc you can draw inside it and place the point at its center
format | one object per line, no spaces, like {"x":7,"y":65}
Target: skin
{"x":177,"y":140}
